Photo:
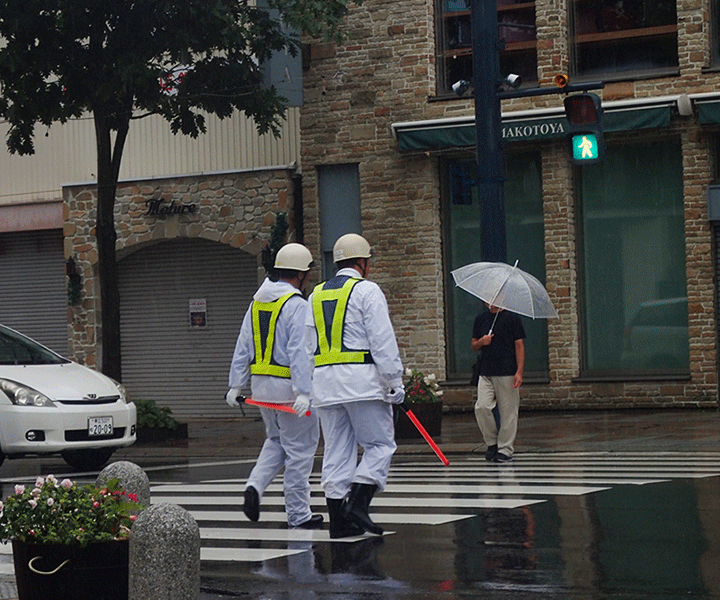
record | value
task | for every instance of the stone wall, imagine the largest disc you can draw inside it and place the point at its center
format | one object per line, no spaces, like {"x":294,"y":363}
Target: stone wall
{"x":237,"y":209}
{"x":385,"y":73}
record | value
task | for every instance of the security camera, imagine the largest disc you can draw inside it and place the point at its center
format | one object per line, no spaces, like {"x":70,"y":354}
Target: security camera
{"x":460,"y":87}
{"x":513,"y":80}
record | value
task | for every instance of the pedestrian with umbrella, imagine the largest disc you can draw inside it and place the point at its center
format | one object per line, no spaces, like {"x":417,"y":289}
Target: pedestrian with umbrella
{"x":498,"y":335}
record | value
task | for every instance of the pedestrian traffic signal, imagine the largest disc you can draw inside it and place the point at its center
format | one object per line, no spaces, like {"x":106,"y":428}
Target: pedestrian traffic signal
{"x":584,"y":115}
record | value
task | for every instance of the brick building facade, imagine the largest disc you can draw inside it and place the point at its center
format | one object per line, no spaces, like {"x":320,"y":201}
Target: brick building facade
{"x":366,"y":97}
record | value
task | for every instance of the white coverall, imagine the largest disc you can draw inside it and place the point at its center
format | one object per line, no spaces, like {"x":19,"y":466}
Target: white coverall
{"x":291,"y":439}
{"x":349,"y":397}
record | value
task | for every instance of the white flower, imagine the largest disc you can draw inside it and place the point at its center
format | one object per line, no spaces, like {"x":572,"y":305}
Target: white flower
{"x":52,"y":479}
{"x":431,"y":377}
{"x":36,"y":492}
{"x":39,"y":482}
{"x":19,"y":489}
{"x":50,"y":501}
{"x":408,"y":372}
{"x":439,"y":393}
{"x":32,"y":502}
{"x":66,"y":483}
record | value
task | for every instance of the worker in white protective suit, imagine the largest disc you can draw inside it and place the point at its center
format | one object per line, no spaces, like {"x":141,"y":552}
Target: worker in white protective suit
{"x":270,"y":351}
{"x":357,"y":376}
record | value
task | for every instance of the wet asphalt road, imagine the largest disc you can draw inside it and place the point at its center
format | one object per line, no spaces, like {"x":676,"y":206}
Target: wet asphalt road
{"x":658,"y":540}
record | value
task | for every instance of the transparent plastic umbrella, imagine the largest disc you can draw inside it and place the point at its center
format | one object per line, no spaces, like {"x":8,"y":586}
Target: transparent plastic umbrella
{"x":506,"y":286}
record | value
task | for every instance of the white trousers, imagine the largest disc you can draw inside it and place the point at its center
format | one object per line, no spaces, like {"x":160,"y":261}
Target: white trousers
{"x":291,"y":443}
{"x":368,"y":423}
{"x":496,"y":412}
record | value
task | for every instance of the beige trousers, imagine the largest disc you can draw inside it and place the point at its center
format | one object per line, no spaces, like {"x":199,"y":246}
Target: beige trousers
{"x":496,"y":412}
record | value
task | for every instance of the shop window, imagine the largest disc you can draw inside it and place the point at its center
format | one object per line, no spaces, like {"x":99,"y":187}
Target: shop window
{"x":525,"y":243}
{"x":623,"y":38}
{"x":516,"y":33}
{"x":632,"y":248}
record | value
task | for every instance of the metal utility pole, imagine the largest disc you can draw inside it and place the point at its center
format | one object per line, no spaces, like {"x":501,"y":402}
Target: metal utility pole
{"x":488,"y":129}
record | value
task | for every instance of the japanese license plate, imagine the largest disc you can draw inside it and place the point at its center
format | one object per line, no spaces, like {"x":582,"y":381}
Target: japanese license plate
{"x":98,"y":426}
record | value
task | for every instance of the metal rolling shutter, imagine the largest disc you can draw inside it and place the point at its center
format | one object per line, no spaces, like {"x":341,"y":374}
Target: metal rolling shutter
{"x":33,"y":293}
{"x":163,"y":358}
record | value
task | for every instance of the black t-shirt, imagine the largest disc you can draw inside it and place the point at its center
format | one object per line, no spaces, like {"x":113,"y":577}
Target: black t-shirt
{"x":498,"y":358}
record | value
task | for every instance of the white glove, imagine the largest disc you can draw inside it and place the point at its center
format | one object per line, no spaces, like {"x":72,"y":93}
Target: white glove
{"x":302,"y":405}
{"x":396,"y":395}
{"x":234,"y":398}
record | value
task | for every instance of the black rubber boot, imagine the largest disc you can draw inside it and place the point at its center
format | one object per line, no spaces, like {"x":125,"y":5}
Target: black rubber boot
{"x":340,"y":527}
{"x":357,"y":505}
{"x":251,"y":507}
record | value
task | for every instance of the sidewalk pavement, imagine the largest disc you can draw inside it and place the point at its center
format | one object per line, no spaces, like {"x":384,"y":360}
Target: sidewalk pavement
{"x":634,"y":430}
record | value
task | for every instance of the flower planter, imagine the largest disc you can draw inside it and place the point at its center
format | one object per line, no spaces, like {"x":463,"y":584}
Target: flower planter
{"x":67,"y":572}
{"x":428,"y":413}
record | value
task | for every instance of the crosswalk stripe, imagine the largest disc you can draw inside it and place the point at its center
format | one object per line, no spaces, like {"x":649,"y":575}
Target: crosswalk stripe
{"x":318,"y":504}
{"x":382,"y":518}
{"x":274,"y":535}
{"x":460,"y":488}
{"x":210,"y":553}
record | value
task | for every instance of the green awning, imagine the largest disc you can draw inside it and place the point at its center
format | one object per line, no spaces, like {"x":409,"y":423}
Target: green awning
{"x":708,"y":112}
{"x":460,"y":132}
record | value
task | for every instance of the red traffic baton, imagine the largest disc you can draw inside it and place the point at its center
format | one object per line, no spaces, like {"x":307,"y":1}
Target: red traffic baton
{"x":274,"y":406}
{"x":424,"y":433}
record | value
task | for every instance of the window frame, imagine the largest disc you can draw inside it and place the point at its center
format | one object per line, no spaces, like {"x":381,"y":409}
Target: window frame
{"x":523,"y":48}
{"x":613,"y":39}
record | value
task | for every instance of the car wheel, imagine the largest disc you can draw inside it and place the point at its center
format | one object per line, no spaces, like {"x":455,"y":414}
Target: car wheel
{"x":87,"y":460}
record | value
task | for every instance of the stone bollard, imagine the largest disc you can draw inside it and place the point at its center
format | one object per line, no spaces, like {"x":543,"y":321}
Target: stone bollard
{"x":132,"y":479}
{"x":165,"y":555}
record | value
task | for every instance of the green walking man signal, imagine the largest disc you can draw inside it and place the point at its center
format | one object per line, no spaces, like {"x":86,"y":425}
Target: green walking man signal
{"x":584,"y":115}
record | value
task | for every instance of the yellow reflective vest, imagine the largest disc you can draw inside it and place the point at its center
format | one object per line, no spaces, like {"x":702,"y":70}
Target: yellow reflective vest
{"x":329,"y":306}
{"x":264,"y":320}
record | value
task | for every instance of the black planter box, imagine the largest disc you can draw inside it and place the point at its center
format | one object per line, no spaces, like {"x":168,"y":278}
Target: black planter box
{"x":430,"y":417}
{"x":154,"y":435}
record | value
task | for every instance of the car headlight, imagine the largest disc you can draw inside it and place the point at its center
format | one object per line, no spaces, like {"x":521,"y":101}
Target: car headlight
{"x":22,"y":395}
{"x":121,"y":390}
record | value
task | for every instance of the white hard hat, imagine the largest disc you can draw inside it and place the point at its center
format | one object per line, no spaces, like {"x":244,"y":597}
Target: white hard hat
{"x":351,"y":245}
{"x":295,"y":257}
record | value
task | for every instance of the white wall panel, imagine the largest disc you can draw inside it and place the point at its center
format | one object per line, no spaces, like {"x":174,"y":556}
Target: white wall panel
{"x":67,"y":154}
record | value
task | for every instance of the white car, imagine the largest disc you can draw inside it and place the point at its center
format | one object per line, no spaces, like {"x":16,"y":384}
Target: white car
{"x":49,"y":404}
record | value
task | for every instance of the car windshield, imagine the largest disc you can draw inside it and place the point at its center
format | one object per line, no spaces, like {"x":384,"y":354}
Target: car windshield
{"x":16,"y":349}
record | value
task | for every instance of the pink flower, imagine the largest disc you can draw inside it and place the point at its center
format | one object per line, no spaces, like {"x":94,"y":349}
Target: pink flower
{"x":19,"y":489}
{"x":133,"y":517}
{"x":96,"y":504}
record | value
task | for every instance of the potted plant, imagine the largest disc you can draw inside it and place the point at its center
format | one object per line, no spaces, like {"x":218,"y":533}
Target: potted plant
{"x":69,"y":541}
{"x":424,"y":397}
{"x":156,"y":423}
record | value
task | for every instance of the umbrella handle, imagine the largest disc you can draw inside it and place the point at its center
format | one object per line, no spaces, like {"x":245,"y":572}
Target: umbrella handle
{"x":493,"y":323}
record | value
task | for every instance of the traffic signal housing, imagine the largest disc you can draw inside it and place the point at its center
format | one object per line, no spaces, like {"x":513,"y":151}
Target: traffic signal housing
{"x":584,"y":115}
